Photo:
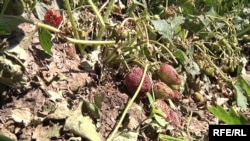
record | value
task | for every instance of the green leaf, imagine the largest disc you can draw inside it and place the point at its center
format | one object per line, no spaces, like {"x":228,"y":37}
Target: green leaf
{"x":240,"y":97}
{"x":151,"y":100}
{"x":82,"y":125}
{"x":181,"y":56}
{"x":90,"y":109}
{"x":9,"y":23}
{"x":163,"y":28}
{"x":245,"y":82}
{"x":169,"y":27}
{"x":230,"y":117}
{"x":4,"y":138}
{"x":170,"y":138}
{"x":160,"y":120}
{"x":190,"y":66}
{"x":175,"y":23}
{"x":45,"y":40}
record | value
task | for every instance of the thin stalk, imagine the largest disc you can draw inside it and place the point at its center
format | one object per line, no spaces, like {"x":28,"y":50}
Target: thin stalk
{"x":48,"y":27}
{"x":5,"y":4}
{"x":55,"y":30}
{"x":105,"y":18}
{"x":73,"y":23}
{"x":108,"y":12}
{"x":96,"y":12}
{"x":127,"y":19}
{"x":89,"y":42}
{"x":221,"y":73}
{"x":112,"y":135}
{"x":170,"y":53}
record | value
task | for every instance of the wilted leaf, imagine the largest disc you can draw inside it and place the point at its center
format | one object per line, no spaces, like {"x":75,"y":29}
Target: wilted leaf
{"x":54,"y":96}
{"x":40,"y":10}
{"x":82,"y":125}
{"x":46,"y":133}
{"x":21,"y":115}
{"x":127,"y":136}
{"x":45,"y":39}
{"x":61,"y":111}
{"x":192,"y":68}
{"x":230,"y":117}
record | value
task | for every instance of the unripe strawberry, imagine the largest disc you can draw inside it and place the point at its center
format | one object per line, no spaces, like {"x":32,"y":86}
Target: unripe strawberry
{"x":133,"y":79}
{"x":170,"y":115}
{"x":168,"y":75}
{"x":53,"y":18}
{"x":163,"y":91}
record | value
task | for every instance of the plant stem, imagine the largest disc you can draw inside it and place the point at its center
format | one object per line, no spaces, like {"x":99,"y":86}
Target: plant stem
{"x":89,"y":42}
{"x":107,"y":14}
{"x":96,"y":12}
{"x":111,"y":136}
{"x":73,"y":23}
{"x":170,"y":53}
{"x":48,"y":27}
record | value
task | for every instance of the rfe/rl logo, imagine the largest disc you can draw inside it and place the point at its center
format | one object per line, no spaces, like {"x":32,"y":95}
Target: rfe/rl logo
{"x":229,"y":132}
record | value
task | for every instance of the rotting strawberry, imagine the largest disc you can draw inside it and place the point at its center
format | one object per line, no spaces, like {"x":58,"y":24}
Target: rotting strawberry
{"x":177,"y":95}
{"x":170,"y":115}
{"x":168,"y":75}
{"x":133,"y":79}
{"x":163,"y":91}
{"x":53,"y":18}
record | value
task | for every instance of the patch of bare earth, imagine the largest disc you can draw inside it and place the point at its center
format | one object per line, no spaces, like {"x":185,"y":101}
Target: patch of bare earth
{"x":56,"y":84}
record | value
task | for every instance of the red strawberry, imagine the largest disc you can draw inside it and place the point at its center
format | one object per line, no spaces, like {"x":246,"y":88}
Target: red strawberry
{"x":168,"y":75}
{"x":163,"y":91}
{"x":133,"y":79}
{"x":171,"y":115}
{"x":177,"y":95}
{"x":53,"y":18}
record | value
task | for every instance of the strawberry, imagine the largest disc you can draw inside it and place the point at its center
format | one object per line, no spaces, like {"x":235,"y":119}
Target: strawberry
{"x":53,"y":18}
{"x":170,"y":115}
{"x":163,"y":91}
{"x":168,"y":75}
{"x":133,"y":79}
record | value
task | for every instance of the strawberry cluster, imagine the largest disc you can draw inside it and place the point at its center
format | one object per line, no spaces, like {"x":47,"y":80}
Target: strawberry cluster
{"x":53,"y":18}
{"x":165,"y":87}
